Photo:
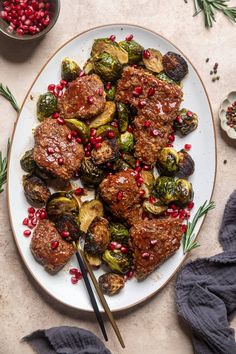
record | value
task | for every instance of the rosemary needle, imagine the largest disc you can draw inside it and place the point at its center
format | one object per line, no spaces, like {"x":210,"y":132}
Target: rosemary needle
{"x":3,"y":167}
{"x":6,"y":93}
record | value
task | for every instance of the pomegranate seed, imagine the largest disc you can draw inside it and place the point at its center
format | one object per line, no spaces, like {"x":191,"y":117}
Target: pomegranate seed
{"x":152,"y":199}
{"x":118,"y":246}
{"x":78,"y":275}
{"x":60,"y":121}
{"x":129,"y":38}
{"x":137,"y":91}
{"x":178,"y":119}
{"x":175,"y":214}
{"x":110,"y":134}
{"x":51,"y":87}
{"x":63,"y":83}
{"x":154,"y":132}
{"x":55,"y":115}
{"x":27,"y":233}
{"x":79,"y":191}
{"x":142,"y":192}
{"x":142,"y":104}
{"x":31,"y":210}
{"x":119,"y":195}
{"x":137,"y":163}
{"x":60,"y":161}
{"x":69,"y":137}
{"x":108,"y":86}
{"x":100,"y":91}
{"x":140,"y":180}
{"x":190,"y":205}
{"x":147,"y":123}
{"x":54,"y":245}
{"x":130,"y":129}
{"x":97,"y":146}
{"x":73,"y":271}
{"x":34,"y":221}
{"x":93,"y":132}
{"x":50,"y":150}
{"x":20,"y":31}
{"x":151,"y":92}
{"x":145,"y":255}
{"x":130,"y":274}
{"x":146,"y":168}
{"x":184,"y":228}
{"x":112,"y":246}
{"x":90,"y":99}
{"x":112,"y":38}
{"x":171,"y":138}
{"x":82,"y":73}
{"x":87,"y":153}
{"x":153,"y":242}
{"x":93,"y":140}
{"x":74,"y":133}
{"x":146,"y":54}
{"x":65,"y":234}
{"x":99,"y":139}
{"x":114,"y":124}
{"x":187,"y":147}
{"x":189,"y":113}
{"x":43,"y":215}
{"x":25,"y":221}
{"x":74,"y":280}
{"x":31,"y":216}
{"x":138,"y":169}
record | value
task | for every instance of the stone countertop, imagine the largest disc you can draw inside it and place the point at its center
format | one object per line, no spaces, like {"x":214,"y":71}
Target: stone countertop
{"x":152,"y":326}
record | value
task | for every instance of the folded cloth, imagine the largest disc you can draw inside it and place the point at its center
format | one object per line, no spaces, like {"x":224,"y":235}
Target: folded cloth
{"x":66,"y":340}
{"x":206,"y":292}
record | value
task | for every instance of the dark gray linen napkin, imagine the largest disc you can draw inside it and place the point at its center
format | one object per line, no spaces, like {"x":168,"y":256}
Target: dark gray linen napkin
{"x":206,"y":292}
{"x":66,"y":340}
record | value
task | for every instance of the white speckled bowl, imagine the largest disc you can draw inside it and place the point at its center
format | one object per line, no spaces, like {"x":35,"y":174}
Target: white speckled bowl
{"x":226,"y":102}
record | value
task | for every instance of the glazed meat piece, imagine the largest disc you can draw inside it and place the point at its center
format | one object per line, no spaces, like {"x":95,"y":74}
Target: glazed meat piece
{"x":44,"y":240}
{"x":54,"y":153}
{"x":84,"y":98}
{"x":152,"y":242}
{"x":121,"y":193}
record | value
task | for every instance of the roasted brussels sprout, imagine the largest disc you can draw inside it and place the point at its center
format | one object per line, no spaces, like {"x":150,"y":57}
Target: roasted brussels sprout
{"x":126,"y":141}
{"x":104,"y":129}
{"x":165,"y":189}
{"x":154,"y":62}
{"x":36,"y":191}
{"x":119,"y":233}
{"x":80,"y":127}
{"x":120,"y":165}
{"x":186,"y":164}
{"x":66,"y":223}
{"x":129,"y":159}
{"x":88,"y":67}
{"x":156,"y":208}
{"x":168,"y":161}
{"x":94,"y":261}
{"x":43,"y":174}
{"x":105,"y":117}
{"x":88,"y":212}
{"x":97,"y":237}
{"x":184,"y":191}
{"x":61,"y":203}
{"x":46,"y":106}
{"x":163,"y":77}
{"x":117,"y":261}
{"x":108,"y":151}
{"x":101,"y":45}
{"x":111,"y":283}
{"x":110,"y":93}
{"x":175,"y":66}
{"x":148,"y":182}
{"x":90,"y":174}
{"x":70,"y":70}
{"x":186,"y":121}
{"x":27,"y":161}
{"x":107,"y":67}
{"x":133,"y":49}
{"x":123,"y":116}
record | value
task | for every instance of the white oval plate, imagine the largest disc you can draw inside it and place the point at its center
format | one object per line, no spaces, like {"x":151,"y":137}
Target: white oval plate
{"x":203,"y":151}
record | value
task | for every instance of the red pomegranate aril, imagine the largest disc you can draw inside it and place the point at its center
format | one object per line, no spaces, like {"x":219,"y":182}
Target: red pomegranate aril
{"x":153,"y":242}
{"x":82,"y":73}
{"x":146,"y":168}
{"x":54,"y":245}
{"x":51,"y":87}
{"x":69,"y":137}
{"x":146,"y":54}
{"x":171,"y":138}
{"x":43,"y":215}
{"x":190,"y":205}
{"x":137,"y":91}
{"x":60,"y":121}
{"x":20,"y":31}
{"x":184,"y":228}
{"x":108,"y":86}
{"x":175,"y":214}
{"x":50,"y":150}
{"x":147,"y":123}
{"x":97,"y":146}
{"x":187,"y":147}
{"x":110,"y":134}
{"x":27,"y":233}
{"x":79,"y":191}
{"x":25,"y":221}
{"x":112,"y":246}
{"x":138,"y":169}
{"x":55,"y":115}
{"x":119,"y":195}
{"x":63,"y":83}
{"x":93,"y":132}
{"x":78,"y":275}
{"x":112,"y":38}
{"x":92,"y":140}
{"x":90,"y":99}
{"x":87,"y":153}
{"x":137,"y":163}
{"x":114,"y":124}
{"x":31,"y":210}
{"x":130,"y":129}
{"x":124,"y":249}
{"x":142,"y":104}
{"x":65,"y":234}
{"x":142,"y":192}
{"x":179,"y":119}
{"x":151,"y":92}
{"x":74,"y":280}
{"x":99,"y":139}
{"x":130,"y":274}
{"x":155,"y":132}
{"x":145,"y":255}
{"x":31,"y":216}
{"x":100,"y":91}
{"x":60,"y":161}
{"x":73,"y":271}
{"x":189,"y":113}
{"x":118,"y":246}
{"x":74,"y":133}
{"x":129,"y":38}
{"x":34,"y":221}
{"x":140,"y":181}
{"x":152,"y":199}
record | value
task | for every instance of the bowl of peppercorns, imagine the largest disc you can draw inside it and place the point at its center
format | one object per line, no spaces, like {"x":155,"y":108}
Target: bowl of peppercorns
{"x":28,"y":19}
{"x":227,"y":114}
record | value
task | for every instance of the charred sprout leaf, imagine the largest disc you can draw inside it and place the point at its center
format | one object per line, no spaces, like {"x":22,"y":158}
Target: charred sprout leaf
{"x":105,"y":117}
{"x":110,"y":93}
{"x":107,"y":67}
{"x":133,"y":49}
{"x":61,"y":203}
{"x":184,"y":191}
{"x":90,"y":174}
{"x":97,"y":237}
{"x":175,"y":66}
{"x":66,"y":223}
{"x":126,"y":141}
{"x":36,"y":191}
{"x":120,"y":165}
{"x":148,"y":182}
{"x":156,"y":208}
{"x":163,"y":77}
{"x":80,"y":127}
{"x":168,"y":161}
{"x":88,"y":67}
{"x":129,"y":159}
{"x":88,"y":212}
{"x":119,"y":233}
{"x":101,"y":45}
{"x":3,"y":167}
{"x":27,"y":161}
{"x":46,"y":106}
{"x":70,"y":70}
{"x":123,"y":116}
{"x":186,"y":121}
{"x":111,"y":283}
{"x":154,"y":62}
{"x":165,"y":189}
{"x":186,"y":164}
{"x":108,"y":151}
{"x":117,"y":261}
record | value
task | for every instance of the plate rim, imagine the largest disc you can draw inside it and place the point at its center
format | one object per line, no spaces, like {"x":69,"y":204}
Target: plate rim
{"x":134,"y":305}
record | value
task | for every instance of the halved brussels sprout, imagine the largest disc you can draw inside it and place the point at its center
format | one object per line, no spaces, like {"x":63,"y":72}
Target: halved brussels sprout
{"x":90,"y":174}
{"x":123,"y":116}
{"x":104,"y":129}
{"x":111,"y":283}
{"x":154,"y":62}
{"x":36,"y":191}
{"x":107,"y":67}
{"x":46,"y":106}
{"x":186,"y":121}
{"x":119,"y":233}
{"x":61,"y":203}
{"x":27,"y":161}
{"x":88,"y":67}
{"x":70,"y":70}
{"x":163,"y":77}
{"x":175,"y":66}
{"x":130,"y":159}
{"x":126,"y":141}
{"x":101,"y":45}
{"x":81,"y":128}
{"x":148,"y":184}
{"x":97,"y":237}
{"x":105,"y":117}
{"x":133,"y":49}
{"x":108,"y":151}
{"x":184,"y":191}
{"x":94,"y":261}
{"x":88,"y":212}
{"x":156,"y":208}
{"x":168,"y":161}
{"x":165,"y":189}
{"x":43,"y":174}
{"x":117,"y":261}
{"x":110,"y":93}
{"x":186,"y":164}
{"x":120,"y":165}
{"x":67,"y":223}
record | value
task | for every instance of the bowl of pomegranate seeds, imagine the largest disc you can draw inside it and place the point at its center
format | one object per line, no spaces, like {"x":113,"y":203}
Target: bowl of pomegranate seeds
{"x":28,"y":19}
{"x":227,"y":115}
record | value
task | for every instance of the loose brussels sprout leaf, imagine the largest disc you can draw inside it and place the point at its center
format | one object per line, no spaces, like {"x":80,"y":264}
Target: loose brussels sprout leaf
{"x":46,"y":106}
{"x":165,"y":189}
{"x":154,"y":208}
{"x":101,"y":45}
{"x":105,"y":117}
{"x":186,"y":164}
{"x":90,"y":174}
{"x":168,"y":161}
{"x":117,"y":261}
{"x":186,"y":121}
{"x":36,"y":191}
{"x":163,"y":77}
{"x":108,"y":151}
{"x":88,"y":212}
{"x":61,"y":203}
{"x":69,"y":69}
{"x":119,"y":233}
{"x":27,"y":161}
{"x":97,"y":237}
{"x":133,"y":49}
{"x":68,"y":223}
{"x":126,"y":142}
{"x":130,"y":159}
{"x":148,"y":184}
{"x":154,"y":62}
{"x":81,"y":128}
{"x":94,"y":261}
{"x":107,"y":67}
{"x":110,"y":93}
{"x":123,"y":116}
{"x":111,"y":283}
{"x":184,"y":191}
{"x":120,"y":165}
{"x":104,"y":129}
{"x":88,"y":67}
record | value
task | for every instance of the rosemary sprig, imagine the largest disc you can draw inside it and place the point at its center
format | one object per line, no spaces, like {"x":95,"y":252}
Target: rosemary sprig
{"x":210,"y":7}
{"x":188,"y":238}
{"x":6,"y":93}
{"x":3,"y":167}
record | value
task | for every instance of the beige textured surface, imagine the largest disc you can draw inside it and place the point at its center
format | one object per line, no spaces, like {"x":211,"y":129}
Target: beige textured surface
{"x":152,"y":327}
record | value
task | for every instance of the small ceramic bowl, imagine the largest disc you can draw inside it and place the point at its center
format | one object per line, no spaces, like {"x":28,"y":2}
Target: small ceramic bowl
{"x":55,"y":10}
{"x":227,"y":101}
